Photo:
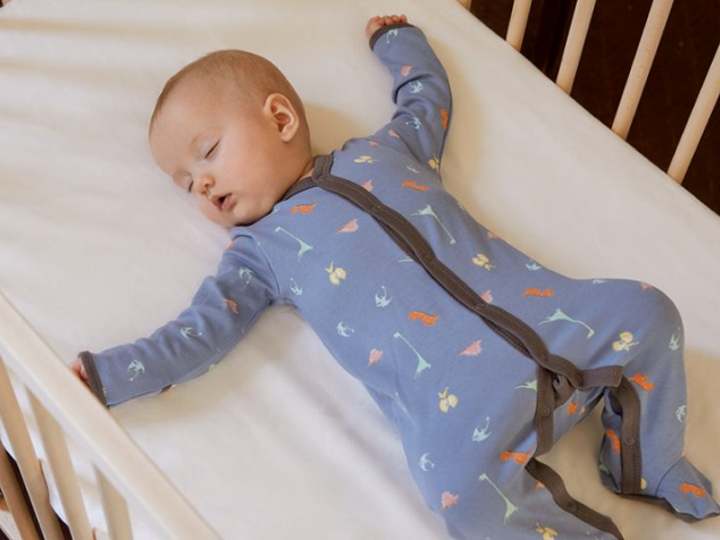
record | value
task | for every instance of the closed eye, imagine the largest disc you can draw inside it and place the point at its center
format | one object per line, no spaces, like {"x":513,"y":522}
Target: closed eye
{"x":211,"y":150}
{"x":189,"y":189}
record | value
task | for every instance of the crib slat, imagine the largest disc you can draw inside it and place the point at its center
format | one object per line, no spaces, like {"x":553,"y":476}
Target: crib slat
{"x":652,"y":33}
{"x":574,"y":44}
{"x":115,"y":508}
{"x":15,"y":500}
{"x":26,"y":458}
{"x":82,"y":417}
{"x":62,"y":468}
{"x":699,"y":117}
{"x":518,"y":22}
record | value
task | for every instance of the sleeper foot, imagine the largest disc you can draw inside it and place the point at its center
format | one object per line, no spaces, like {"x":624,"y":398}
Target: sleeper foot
{"x":684,"y":491}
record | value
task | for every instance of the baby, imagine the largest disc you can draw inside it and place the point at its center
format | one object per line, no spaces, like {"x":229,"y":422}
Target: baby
{"x":479,"y":356}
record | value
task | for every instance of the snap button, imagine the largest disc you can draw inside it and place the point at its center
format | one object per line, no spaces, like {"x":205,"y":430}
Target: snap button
{"x":629,"y":440}
{"x":545,"y":411}
{"x":427,"y":257}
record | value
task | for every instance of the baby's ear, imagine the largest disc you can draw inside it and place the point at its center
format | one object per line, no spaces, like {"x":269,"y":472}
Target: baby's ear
{"x":281,"y":110}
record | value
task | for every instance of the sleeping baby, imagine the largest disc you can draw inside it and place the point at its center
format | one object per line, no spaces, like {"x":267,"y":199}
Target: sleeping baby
{"x":479,"y":357}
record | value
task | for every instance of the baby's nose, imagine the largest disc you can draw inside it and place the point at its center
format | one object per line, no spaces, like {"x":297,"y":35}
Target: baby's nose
{"x":205,"y":182}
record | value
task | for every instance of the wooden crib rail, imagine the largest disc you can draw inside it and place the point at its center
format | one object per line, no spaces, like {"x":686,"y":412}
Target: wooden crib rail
{"x":61,"y":405}
{"x":644,"y":56}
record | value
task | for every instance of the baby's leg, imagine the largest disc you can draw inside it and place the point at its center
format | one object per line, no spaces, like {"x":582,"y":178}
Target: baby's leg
{"x":482,"y":490}
{"x":644,"y":419}
{"x":508,"y":503}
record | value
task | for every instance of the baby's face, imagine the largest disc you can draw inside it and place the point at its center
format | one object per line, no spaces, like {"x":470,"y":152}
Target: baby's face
{"x":229,"y":158}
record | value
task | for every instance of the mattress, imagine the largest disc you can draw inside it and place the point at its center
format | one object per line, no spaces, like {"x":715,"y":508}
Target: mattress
{"x":98,"y":248}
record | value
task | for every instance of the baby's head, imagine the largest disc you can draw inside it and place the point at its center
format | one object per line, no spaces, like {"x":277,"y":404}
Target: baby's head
{"x":230,"y":129}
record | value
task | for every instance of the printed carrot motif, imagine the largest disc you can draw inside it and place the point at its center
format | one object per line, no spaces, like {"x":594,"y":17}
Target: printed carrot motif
{"x":473,"y":349}
{"x":614,"y":439}
{"x":447,"y":500}
{"x":697,"y":491}
{"x":232,"y":305}
{"x":532,"y":291}
{"x":374,"y":357}
{"x":350,"y":226}
{"x":642,"y":381}
{"x":411,"y":184}
{"x":518,"y":457}
{"x":303,"y":208}
{"x":427,"y":320}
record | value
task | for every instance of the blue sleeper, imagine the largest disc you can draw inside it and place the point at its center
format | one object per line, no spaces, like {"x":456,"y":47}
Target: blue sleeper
{"x":479,"y":356}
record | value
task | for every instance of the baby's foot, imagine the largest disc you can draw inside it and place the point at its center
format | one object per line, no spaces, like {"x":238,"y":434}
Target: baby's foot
{"x":382,"y":20}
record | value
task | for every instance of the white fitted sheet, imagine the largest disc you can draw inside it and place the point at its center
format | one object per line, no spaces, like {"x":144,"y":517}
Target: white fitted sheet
{"x":98,"y":248}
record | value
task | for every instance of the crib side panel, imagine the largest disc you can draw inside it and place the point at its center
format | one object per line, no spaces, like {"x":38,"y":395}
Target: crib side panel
{"x":635,"y":84}
{"x":66,"y":408}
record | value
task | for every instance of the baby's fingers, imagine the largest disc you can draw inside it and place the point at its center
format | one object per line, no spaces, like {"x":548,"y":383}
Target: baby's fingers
{"x":79,"y":370}
{"x":383,"y":20}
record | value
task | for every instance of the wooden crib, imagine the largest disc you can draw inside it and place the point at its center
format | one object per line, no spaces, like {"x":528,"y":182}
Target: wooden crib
{"x":62,"y":408}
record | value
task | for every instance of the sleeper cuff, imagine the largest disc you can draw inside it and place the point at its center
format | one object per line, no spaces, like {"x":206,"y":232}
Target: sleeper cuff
{"x":380,"y":31}
{"x":93,"y":377}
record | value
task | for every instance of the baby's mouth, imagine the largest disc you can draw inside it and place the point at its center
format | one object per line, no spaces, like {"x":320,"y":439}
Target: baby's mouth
{"x":223,"y":202}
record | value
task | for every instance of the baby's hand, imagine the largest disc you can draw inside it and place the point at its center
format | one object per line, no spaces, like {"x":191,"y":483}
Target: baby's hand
{"x":383,"y":20}
{"x":79,"y":371}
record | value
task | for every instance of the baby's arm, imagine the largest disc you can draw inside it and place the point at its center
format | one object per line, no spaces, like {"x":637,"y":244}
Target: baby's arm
{"x":223,"y":309}
{"x":421,"y":89}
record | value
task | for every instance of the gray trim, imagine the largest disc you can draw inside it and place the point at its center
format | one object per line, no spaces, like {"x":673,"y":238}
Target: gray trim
{"x":93,"y":377}
{"x":554,"y":484}
{"x":626,"y":397}
{"x":380,"y":31}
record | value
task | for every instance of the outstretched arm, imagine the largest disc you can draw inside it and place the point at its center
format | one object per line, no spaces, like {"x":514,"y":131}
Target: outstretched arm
{"x":223,"y":309}
{"x":421,"y":89}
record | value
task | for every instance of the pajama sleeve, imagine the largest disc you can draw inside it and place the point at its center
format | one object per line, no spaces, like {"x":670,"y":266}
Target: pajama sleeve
{"x":420,"y":89}
{"x":223,"y":309}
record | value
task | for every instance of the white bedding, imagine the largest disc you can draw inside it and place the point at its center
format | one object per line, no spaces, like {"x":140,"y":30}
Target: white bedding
{"x":98,"y":248}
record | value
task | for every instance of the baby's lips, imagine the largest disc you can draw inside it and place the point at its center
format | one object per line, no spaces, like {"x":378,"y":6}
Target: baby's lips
{"x":221,"y":201}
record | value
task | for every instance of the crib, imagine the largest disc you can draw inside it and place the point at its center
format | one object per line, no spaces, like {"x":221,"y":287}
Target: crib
{"x":111,"y":474}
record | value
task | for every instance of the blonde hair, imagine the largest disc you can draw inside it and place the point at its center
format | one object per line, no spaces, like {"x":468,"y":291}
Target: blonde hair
{"x":253,"y":76}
